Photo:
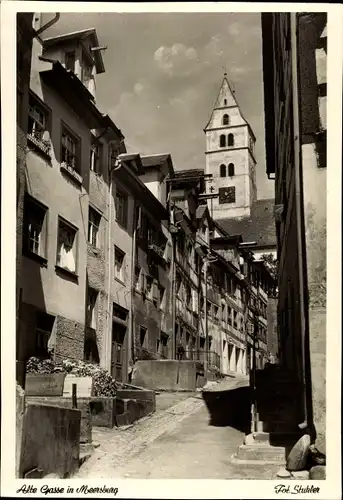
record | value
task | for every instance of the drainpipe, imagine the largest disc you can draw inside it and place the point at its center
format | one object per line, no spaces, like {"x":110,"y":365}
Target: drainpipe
{"x":299,"y":207}
{"x":205,"y":320}
{"x":45,"y":27}
{"x":109,"y":274}
{"x":136,"y":219}
{"x":173,"y":273}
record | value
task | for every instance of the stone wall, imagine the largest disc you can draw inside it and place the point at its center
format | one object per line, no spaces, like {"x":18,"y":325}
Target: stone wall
{"x":166,"y":375}
{"x":50,"y":440}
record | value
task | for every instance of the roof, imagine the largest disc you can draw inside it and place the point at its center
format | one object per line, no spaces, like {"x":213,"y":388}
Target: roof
{"x":259,"y":227}
{"x":154,"y":160}
{"x":75,"y":35}
{"x":185,"y":174}
{"x":158,"y":160}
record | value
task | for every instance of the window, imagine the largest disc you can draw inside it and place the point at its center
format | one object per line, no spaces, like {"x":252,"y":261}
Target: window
{"x":209,"y":308}
{"x":226,"y":120}
{"x":225,"y":102}
{"x":227,"y":195}
{"x":230,"y":140}
{"x":121,"y":208}
{"x":188,"y":296}
{"x":223,"y":313}
{"x":137,"y":277}
{"x":149,"y":283}
{"x":96,"y":156}
{"x":92,"y":296}
{"x":94,"y":219}
{"x":37,"y":120}
{"x":119,"y":264}
{"x":44,"y":329}
{"x":66,"y":246}
{"x":70,"y":61}
{"x":177,"y":283}
{"x":229,"y":315}
{"x":231,"y":169}
{"x":222,"y":171}
{"x":222,"y":141}
{"x":161,"y":292}
{"x":69,"y":149}
{"x":35,"y":230}
{"x":235,"y":319}
{"x":142,"y":335}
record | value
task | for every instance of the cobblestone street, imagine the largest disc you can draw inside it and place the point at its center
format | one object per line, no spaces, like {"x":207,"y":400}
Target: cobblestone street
{"x":177,"y":442}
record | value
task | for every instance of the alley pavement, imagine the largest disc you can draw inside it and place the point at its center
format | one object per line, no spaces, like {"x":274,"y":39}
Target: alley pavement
{"x":176,"y":442}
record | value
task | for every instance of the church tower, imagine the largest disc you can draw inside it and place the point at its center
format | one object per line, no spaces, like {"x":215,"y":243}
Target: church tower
{"x":230,"y":145}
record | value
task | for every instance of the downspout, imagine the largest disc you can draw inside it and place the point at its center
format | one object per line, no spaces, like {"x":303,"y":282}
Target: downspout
{"x":205,"y":319}
{"x":299,"y":207}
{"x":45,"y":27}
{"x":109,"y":250}
{"x":173,"y":297}
{"x":132,"y":340}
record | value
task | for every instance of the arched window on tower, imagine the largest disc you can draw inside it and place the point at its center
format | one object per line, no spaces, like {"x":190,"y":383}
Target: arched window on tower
{"x":226,"y":120}
{"x":222,"y":141}
{"x":222,"y":170}
{"x":231,"y":169}
{"x":230,"y":140}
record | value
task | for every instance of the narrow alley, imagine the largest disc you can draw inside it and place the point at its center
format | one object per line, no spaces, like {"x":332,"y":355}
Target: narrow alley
{"x":177,"y":442}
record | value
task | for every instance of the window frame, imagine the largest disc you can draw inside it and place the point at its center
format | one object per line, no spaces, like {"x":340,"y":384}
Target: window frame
{"x":44,"y":145}
{"x":118,"y":251}
{"x":96,"y":156}
{"x":68,"y":132}
{"x":121,"y":217}
{"x":94,"y":227}
{"x":89,"y":321}
{"x":75,"y":246}
{"x":42,"y":254}
{"x":66,"y":54}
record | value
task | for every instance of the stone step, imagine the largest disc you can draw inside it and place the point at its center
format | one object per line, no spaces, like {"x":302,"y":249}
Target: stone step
{"x":261,"y":451}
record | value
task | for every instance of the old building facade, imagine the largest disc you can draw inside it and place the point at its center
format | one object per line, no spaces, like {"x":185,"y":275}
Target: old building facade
{"x":122,"y":260}
{"x":294,"y":64}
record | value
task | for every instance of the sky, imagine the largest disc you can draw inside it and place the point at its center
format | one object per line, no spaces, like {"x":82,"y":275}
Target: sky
{"x":163,"y":74}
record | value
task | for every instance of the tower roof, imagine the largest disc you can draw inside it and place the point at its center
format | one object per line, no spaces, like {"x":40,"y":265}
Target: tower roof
{"x":226,"y":99}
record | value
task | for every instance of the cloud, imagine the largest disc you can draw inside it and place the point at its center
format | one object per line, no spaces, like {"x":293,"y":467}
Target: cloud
{"x":187,"y":97}
{"x":177,"y":60}
{"x":138,"y":88}
{"x":235,"y":29}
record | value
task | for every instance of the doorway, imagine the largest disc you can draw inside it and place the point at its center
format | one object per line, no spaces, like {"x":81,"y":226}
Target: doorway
{"x":118,"y":354}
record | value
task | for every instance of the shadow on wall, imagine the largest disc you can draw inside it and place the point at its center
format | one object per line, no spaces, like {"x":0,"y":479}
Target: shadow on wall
{"x":229,"y":408}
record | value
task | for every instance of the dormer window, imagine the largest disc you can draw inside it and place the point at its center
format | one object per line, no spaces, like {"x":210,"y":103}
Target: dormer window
{"x":70,"y":61}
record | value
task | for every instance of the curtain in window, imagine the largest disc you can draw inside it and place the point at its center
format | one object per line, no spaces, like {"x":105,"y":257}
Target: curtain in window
{"x":66,"y":255}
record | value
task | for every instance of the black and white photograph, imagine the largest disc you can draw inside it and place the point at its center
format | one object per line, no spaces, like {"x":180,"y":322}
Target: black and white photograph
{"x":170,"y":172}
